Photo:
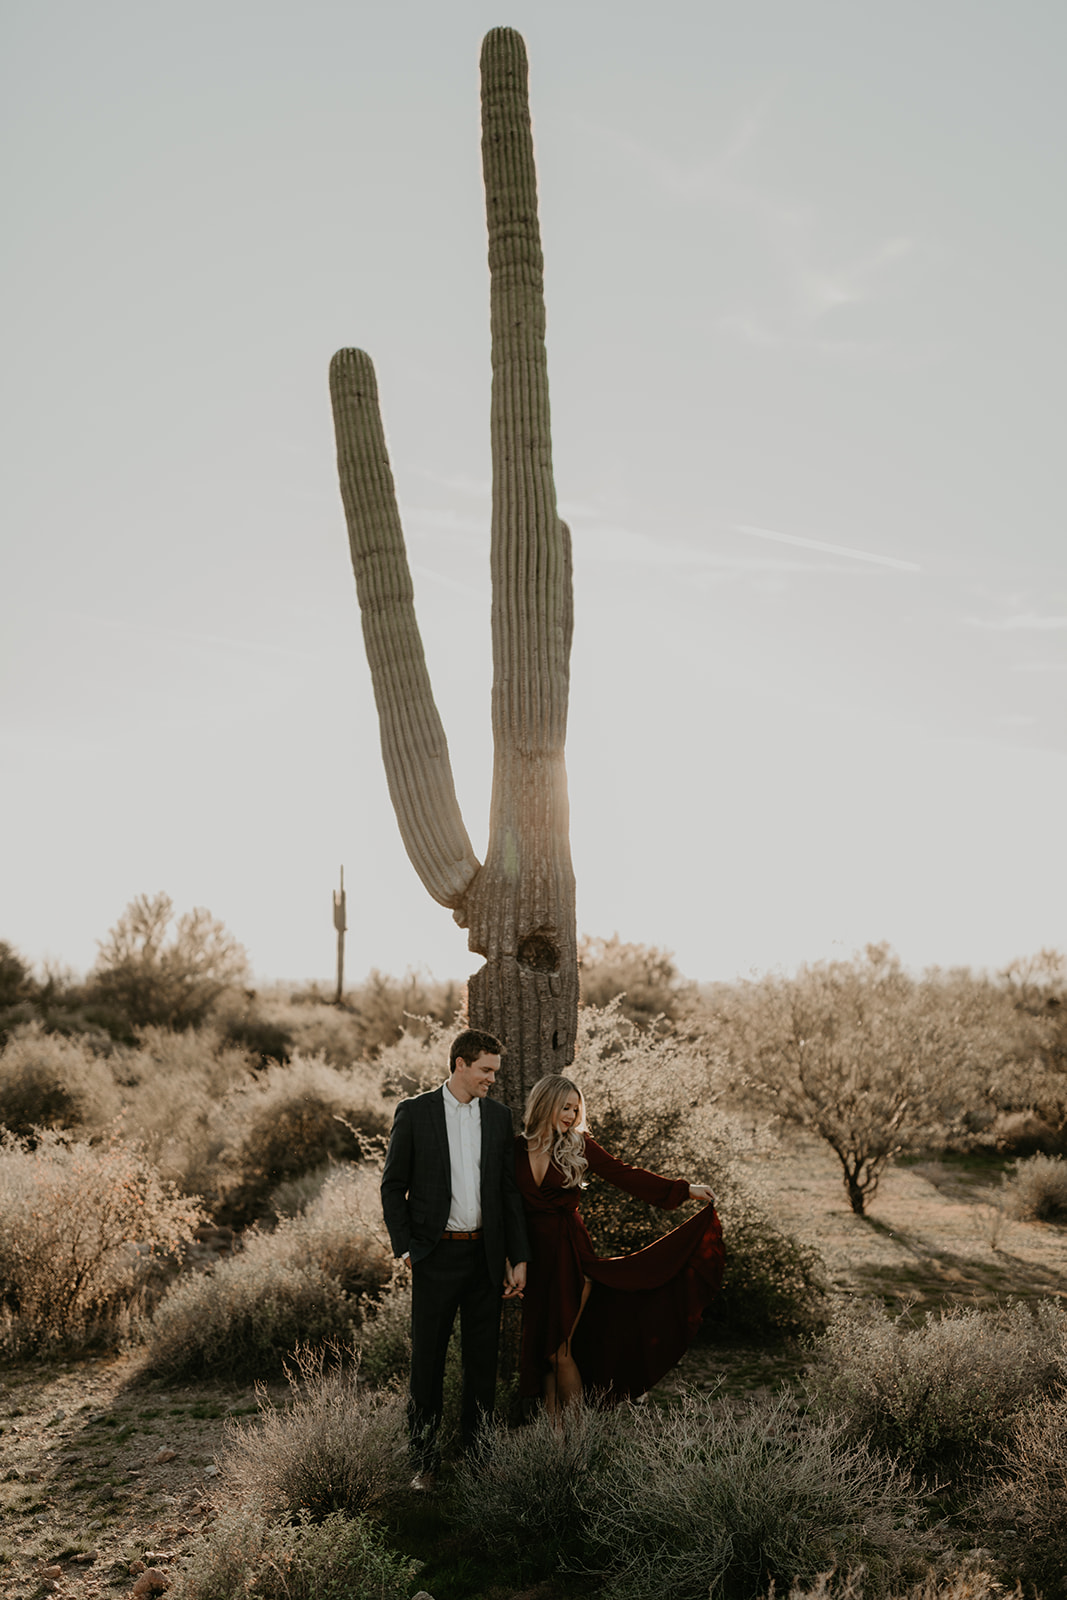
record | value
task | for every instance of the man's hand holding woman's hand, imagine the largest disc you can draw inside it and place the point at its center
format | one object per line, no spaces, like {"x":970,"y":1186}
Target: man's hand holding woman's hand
{"x":514,"y":1280}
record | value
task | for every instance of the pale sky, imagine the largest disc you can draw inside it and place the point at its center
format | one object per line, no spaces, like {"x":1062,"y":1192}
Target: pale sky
{"x":804,"y":276}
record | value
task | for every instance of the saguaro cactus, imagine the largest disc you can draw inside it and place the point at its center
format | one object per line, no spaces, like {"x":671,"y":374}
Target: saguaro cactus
{"x":340,"y":922}
{"x":519,"y":905}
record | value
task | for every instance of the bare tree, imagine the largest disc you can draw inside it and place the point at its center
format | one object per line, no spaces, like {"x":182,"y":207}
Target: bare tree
{"x":170,"y":978}
{"x":874,"y":1061}
{"x":519,"y":905}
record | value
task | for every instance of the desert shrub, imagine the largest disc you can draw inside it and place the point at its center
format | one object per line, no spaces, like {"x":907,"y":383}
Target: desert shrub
{"x":156,"y":975}
{"x":384,"y":1007}
{"x":418,"y":1059}
{"x":343,"y":1231}
{"x":16,"y":980}
{"x":94,"y":1026}
{"x":316,"y":1027}
{"x":296,"y":1194}
{"x":338,"y":1445}
{"x":1029,"y":1497}
{"x":166,"y":1092}
{"x":702,"y":1498}
{"x":643,"y":979}
{"x":82,"y":1229}
{"x":177,"y":1091}
{"x":162,"y":1055}
{"x":1037,"y":1076}
{"x":692,"y":1500}
{"x":384,"y":1339}
{"x":260,"y":1036}
{"x":47,"y":1081}
{"x":301,"y":1284}
{"x":1037,"y":1189}
{"x":372,"y":1015}
{"x":967,"y":1582}
{"x":1020,"y":1133}
{"x":654,"y":1101}
{"x":244,"y":1316}
{"x":247,"y":1557}
{"x":944,"y":1391}
{"x":293,"y":1119}
{"x":523,"y":1494}
{"x":56,"y":1001}
{"x":775,"y":1287}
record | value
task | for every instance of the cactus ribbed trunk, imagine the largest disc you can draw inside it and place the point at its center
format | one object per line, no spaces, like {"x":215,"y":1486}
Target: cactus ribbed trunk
{"x":519,"y":907}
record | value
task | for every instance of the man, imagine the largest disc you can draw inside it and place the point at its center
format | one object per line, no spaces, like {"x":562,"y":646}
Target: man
{"x":455,"y":1215}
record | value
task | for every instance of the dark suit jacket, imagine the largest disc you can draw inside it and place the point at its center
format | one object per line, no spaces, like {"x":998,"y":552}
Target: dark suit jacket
{"x":417,"y":1183}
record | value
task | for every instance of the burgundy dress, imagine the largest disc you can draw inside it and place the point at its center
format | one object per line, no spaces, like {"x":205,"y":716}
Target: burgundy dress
{"x":643,"y":1309}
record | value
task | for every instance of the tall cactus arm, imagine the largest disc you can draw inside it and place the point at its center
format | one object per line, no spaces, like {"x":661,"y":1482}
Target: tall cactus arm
{"x":568,"y":586}
{"x":530,"y":558}
{"x":414,"y":748}
{"x":520,"y":907}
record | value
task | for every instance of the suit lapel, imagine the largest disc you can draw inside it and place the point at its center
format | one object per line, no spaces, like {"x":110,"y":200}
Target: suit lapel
{"x":437,"y":1119}
{"x":489,"y":1127}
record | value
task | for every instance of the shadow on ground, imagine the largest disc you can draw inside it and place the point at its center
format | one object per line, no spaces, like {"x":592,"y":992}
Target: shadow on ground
{"x":931,"y":1278}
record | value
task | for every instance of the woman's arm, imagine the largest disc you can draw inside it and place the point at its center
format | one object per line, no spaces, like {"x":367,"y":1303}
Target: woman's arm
{"x":642,"y":1184}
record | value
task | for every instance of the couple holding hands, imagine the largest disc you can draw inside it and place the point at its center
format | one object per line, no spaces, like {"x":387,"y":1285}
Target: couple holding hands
{"x":480,"y":1215}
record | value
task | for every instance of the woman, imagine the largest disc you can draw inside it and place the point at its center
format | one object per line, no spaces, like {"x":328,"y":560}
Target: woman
{"x":616,"y":1325}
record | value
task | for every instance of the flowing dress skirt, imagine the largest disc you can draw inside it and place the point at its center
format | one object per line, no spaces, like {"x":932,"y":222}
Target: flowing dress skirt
{"x":643,"y":1310}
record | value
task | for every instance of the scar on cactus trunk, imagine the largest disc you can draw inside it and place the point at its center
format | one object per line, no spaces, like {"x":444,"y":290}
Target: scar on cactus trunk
{"x":519,"y":905}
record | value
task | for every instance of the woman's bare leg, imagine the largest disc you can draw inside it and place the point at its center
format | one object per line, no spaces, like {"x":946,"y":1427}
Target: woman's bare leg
{"x":563,"y":1384}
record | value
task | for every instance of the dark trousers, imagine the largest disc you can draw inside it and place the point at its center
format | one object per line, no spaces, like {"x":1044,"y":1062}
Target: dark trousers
{"x":453,"y":1277}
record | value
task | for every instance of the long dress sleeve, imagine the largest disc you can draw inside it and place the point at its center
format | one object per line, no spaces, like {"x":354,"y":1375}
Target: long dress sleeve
{"x":667,"y":1193}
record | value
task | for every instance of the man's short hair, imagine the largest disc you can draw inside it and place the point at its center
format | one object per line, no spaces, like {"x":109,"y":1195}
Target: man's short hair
{"x":471,"y":1044}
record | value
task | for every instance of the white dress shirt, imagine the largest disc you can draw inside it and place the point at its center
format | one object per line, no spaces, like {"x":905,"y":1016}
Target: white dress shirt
{"x":464,"y":1126}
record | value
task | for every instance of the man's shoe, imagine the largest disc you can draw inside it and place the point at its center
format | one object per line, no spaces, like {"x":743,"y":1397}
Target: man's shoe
{"x":424,"y":1482}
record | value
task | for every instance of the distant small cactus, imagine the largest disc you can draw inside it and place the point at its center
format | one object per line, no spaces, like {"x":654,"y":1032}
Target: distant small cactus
{"x":341,"y":925}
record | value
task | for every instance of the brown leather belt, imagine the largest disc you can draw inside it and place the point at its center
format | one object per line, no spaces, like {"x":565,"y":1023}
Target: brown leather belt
{"x":475,"y":1233}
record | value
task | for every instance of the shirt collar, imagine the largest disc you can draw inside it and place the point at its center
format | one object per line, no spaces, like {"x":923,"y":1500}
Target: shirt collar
{"x":468,"y":1108}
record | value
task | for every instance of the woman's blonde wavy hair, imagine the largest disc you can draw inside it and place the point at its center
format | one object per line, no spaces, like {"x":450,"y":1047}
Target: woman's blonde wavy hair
{"x":567,"y":1150}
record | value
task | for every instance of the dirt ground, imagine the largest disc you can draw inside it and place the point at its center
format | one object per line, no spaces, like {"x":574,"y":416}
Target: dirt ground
{"x":937,"y":1233}
{"x":100,"y":1472}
